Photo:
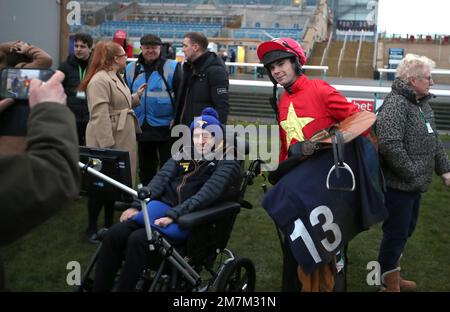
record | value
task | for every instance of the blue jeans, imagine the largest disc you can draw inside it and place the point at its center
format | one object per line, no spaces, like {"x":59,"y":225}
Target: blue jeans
{"x":156,"y":210}
{"x":403,"y":208}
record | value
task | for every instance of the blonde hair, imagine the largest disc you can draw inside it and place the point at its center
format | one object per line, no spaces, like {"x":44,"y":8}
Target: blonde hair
{"x":413,"y":65}
{"x":103,"y":59}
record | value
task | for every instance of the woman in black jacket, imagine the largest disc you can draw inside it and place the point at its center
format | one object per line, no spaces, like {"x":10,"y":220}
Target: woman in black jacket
{"x":180,"y":187}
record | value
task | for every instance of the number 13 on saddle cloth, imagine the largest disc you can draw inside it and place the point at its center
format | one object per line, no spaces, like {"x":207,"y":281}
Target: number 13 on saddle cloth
{"x":317,"y":221}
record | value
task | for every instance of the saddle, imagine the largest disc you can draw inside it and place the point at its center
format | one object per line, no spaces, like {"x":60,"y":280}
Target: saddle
{"x":333,"y":137}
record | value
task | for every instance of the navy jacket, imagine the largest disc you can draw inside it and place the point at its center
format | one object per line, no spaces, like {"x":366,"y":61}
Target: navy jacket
{"x":193,"y":185}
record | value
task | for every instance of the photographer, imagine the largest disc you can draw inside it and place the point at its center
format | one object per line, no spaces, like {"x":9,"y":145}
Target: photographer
{"x":40,"y":180}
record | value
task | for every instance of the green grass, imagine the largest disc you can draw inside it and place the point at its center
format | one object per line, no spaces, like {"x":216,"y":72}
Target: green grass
{"x":426,"y":257}
{"x":445,"y":137}
{"x":37,"y":261}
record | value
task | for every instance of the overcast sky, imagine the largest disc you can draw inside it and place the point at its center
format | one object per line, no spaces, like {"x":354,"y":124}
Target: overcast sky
{"x":414,"y":16}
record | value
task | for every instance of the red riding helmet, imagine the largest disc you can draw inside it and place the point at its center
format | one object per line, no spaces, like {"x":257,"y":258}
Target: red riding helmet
{"x":280,"y":48}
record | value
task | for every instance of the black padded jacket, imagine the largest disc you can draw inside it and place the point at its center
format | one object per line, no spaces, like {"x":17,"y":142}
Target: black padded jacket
{"x":204,"y":84}
{"x":72,"y":69}
{"x":191,"y":185}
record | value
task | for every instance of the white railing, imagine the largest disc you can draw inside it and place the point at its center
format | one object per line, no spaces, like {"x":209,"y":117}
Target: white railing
{"x":361,"y":38}
{"x":325,"y":52}
{"x":341,"y":54}
{"x":435,"y":71}
{"x":375,"y":51}
{"x":341,"y":88}
{"x":323,"y":69}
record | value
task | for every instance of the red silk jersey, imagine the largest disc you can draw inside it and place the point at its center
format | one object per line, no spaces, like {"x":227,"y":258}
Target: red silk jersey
{"x":307,"y":107}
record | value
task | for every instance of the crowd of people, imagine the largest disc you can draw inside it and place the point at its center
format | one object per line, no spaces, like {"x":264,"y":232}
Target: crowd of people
{"x":133,"y":107}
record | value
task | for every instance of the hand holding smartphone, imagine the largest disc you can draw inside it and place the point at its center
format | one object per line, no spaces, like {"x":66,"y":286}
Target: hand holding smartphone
{"x":15,"y":82}
{"x":50,"y":91}
{"x":13,"y":117}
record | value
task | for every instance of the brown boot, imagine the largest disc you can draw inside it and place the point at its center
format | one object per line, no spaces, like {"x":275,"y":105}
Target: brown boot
{"x":390,"y":281}
{"x":406,"y":285}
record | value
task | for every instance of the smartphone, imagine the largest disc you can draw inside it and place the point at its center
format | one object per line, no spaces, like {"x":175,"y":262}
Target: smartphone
{"x":15,"y":82}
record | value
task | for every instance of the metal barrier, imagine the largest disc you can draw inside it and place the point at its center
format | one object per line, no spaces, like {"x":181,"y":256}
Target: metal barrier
{"x":342,"y":88}
{"x":259,"y":105}
{"x":323,"y":69}
{"x":435,"y":71}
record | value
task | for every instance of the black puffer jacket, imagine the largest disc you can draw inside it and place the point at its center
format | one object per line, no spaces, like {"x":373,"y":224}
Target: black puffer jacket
{"x":205,"y":83}
{"x":193,"y":185}
{"x":409,"y":153}
{"x":71,"y":68}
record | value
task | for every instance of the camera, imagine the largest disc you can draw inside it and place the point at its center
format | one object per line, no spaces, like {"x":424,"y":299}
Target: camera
{"x":15,"y":82}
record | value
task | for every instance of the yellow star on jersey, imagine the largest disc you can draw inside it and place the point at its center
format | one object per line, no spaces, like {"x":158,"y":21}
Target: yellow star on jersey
{"x":293,"y":125}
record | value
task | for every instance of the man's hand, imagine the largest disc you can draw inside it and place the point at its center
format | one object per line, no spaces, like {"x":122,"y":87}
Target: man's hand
{"x":446,"y":178}
{"x":128,"y":214}
{"x":4,"y":104}
{"x":141,"y":89}
{"x":163,"y":222}
{"x":50,"y":91}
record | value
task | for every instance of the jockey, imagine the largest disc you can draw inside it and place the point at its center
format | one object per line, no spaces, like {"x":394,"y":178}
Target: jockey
{"x":306,"y":107}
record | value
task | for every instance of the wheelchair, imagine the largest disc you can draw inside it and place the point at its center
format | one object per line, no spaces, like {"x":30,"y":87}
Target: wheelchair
{"x":202,"y":263}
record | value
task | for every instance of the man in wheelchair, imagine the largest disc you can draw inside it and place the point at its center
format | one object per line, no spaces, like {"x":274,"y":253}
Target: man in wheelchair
{"x":180,"y":187}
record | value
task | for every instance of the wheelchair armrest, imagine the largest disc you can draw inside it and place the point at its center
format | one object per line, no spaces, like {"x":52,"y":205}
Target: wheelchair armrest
{"x":122,"y":206}
{"x":218,"y":211}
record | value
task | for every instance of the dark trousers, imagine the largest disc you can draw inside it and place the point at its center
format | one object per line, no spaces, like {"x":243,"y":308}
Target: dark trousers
{"x":81,"y":131}
{"x":124,"y":241}
{"x":403,"y":208}
{"x":152,"y":155}
{"x":95,"y":205}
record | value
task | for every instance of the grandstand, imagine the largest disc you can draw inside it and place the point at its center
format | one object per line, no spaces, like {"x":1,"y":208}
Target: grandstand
{"x":164,"y":30}
{"x":216,"y":2}
{"x":237,"y":19}
{"x":334,"y":33}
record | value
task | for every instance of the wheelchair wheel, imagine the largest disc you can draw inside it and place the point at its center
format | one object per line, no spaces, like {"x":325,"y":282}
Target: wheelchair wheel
{"x":238,"y":275}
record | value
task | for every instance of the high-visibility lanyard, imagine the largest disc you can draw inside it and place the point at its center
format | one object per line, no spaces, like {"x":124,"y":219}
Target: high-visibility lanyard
{"x":425,"y":121}
{"x":423,"y":115}
{"x":82,"y":72}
